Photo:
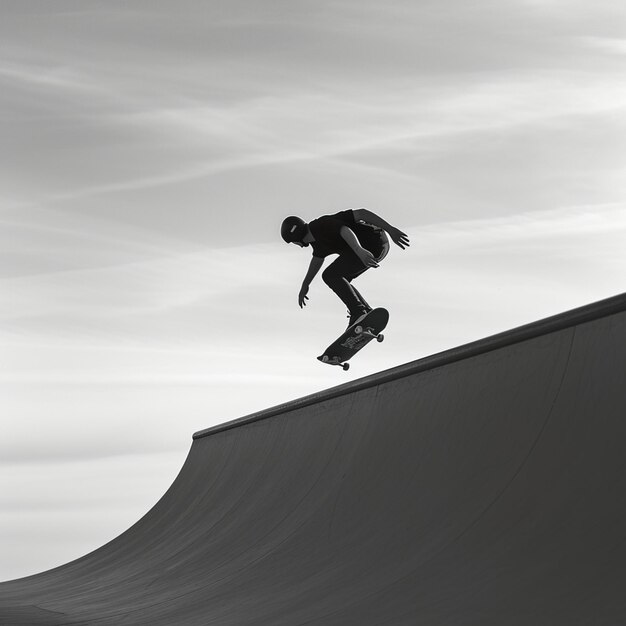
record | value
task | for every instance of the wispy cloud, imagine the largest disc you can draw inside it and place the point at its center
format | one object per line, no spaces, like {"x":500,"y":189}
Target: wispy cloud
{"x":310,"y":128}
{"x":184,"y":129}
{"x":46,"y":77}
{"x":611,"y":45}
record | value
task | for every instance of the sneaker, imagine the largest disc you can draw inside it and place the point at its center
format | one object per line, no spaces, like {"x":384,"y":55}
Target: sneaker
{"x":357,"y":315}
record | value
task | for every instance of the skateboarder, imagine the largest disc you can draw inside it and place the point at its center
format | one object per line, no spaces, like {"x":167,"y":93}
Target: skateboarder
{"x":358,"y":236}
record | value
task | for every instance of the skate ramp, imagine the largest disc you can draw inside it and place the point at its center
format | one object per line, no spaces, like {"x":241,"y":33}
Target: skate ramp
{"x":482,"y":486}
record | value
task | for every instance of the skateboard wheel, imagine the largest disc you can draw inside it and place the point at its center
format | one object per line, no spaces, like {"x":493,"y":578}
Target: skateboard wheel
{"x":358,"y":330}
{"x":380,"y":338}
{"x":346,"y":367}
{"x":325,"y":358}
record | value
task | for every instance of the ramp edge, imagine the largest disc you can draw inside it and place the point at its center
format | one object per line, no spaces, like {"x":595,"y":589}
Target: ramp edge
{"x":561,"y":321}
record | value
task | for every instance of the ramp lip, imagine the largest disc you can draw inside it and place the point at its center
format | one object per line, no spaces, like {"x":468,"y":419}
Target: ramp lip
{"x":555,"y":323}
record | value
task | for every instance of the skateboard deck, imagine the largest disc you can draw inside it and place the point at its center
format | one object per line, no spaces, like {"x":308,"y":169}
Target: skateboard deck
{"x":355,"y":338}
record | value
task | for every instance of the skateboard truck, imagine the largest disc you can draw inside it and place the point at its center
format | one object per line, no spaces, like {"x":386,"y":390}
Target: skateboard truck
{"x":369,"y":332}
{"x":329,"y":361}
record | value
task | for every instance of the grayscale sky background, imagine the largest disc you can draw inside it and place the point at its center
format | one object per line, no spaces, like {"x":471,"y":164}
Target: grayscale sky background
{"x":150,"y":150}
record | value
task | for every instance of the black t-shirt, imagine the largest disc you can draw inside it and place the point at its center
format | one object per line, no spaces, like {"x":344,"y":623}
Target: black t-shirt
{"x":327,"y":233}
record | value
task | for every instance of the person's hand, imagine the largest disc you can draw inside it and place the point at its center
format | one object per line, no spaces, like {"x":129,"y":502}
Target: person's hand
{"x":302,"y":297}
{"x":367,"y":258}
{"x":399,"y":238}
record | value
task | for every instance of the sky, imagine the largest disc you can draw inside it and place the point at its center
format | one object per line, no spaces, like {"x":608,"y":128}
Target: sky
{"x":150,"y":150}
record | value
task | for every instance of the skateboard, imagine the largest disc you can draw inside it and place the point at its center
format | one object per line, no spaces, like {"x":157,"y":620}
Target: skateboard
{"x":355,"y":338}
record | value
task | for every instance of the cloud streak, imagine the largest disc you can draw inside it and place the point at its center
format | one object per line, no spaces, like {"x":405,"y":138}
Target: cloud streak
{"x":335,"y":115}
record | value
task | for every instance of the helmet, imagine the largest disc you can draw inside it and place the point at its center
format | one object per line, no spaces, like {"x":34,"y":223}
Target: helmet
{"x":293,"y":229}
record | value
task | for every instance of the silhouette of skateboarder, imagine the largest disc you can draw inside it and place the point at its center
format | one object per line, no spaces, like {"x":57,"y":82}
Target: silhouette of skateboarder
{"x":358,"y":236}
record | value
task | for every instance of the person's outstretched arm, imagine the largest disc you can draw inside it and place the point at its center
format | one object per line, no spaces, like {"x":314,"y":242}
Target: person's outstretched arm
{"x":399,"y":238}
{"x":314,"y":267}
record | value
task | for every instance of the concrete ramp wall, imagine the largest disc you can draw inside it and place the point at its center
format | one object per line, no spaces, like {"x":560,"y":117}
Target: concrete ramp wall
{"x":483,"y":486}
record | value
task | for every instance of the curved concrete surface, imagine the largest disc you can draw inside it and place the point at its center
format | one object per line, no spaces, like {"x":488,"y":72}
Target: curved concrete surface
{"x":483,"y":486}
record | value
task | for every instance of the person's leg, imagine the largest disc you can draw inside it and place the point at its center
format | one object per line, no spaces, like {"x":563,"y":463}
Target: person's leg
{"x":360,"y":297}
{"x":343,"y":270}
{"x":338,"y":276}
